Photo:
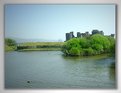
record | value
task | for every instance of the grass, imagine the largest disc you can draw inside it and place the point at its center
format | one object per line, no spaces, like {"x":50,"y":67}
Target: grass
{"x":41,"y":49}
{"x":10,"y":48}
{"x":40,"y":46}
{"x":43,"y":46}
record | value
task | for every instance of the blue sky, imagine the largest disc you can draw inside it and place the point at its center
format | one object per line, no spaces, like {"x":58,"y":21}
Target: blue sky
{"x":51,"y":22}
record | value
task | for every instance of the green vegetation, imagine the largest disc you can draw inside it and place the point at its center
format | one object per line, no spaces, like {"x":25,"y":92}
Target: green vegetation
{"x":93,"y":45}
{"x":40,"y":46}
{"x":10,"y":48}
{"x":10,"y":44}
{"x":40,"y":49}
{"x":86,"y":46}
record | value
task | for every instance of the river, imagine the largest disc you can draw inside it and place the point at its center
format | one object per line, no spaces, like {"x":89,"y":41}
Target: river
{"x":52,"y":70}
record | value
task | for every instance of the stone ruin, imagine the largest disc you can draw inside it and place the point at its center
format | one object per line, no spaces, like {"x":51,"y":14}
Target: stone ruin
{"x":86,"y":34}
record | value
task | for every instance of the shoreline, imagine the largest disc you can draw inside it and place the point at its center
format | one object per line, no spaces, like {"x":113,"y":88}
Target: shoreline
{"x":36,"y":46}
{"x":40,"y":49}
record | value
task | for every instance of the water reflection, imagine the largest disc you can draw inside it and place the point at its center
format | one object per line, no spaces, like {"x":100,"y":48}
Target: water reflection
{"x":97,"y":69}
{"x":112,"y":71}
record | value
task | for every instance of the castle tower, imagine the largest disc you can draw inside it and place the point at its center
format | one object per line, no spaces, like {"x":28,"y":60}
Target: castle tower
{"x":112,"y":35}
{"x":101,"y":32}
{"x":69,"y":36}
{"x":78,"y":34}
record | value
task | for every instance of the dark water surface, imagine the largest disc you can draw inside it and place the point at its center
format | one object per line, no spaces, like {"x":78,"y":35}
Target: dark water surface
{"x":49,"y":69}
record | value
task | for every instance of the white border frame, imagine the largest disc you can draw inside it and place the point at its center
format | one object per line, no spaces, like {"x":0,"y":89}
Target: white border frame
{"x":3,"y":2}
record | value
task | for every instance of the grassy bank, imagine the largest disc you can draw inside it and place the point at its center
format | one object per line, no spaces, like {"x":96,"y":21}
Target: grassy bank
{"x":41,"y":49}
{"x":40,"y":46}
{"x":10,"y":48}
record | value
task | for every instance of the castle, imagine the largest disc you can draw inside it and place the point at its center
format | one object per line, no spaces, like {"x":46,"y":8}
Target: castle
{"x":86,"y":34}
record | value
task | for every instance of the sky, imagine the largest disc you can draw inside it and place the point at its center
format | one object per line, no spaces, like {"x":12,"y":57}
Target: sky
{"x":51,"y":22}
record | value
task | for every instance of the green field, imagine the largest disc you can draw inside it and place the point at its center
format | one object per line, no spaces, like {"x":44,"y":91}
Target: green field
{"x":40,"y":46}
{"x":40,"y":49}
{"x":10,"y":48}
{"x":42,"y":43}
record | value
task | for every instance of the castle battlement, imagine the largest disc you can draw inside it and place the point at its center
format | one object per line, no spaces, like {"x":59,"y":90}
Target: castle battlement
{"x":86,"y":34}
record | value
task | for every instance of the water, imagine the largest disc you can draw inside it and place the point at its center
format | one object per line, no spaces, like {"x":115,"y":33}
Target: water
{"x":51,"y":70}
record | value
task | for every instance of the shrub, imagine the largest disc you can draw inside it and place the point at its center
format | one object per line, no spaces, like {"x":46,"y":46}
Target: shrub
{"x":98,"y":47}
{"x":112,"y":44}
{"x":84,"y":43}
{"x":71,"y":46}
{"x":112,"y":48}
{"x":95,"y":44}
{"x":88,"y":52}
{"x":101,"y":40}
{"x":73,"y":43}
{"x":74,"y":51}
{"x":10,"y":42}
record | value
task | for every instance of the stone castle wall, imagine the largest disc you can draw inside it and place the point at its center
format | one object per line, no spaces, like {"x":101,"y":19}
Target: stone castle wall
{"x":86,"y":34}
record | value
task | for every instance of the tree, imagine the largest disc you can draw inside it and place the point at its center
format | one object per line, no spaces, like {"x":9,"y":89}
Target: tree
{"x":101,"y":40}
{"x":95,"y":44}
{"x":74,"y":51}
{"x":71,"y":46}
{"x":98,"y":48}
{"x":10,"y":42}
{"x":88,"y":52}
{"x":112,"y":44}
{"x":73,"y":43}
{"x":84,"y":43}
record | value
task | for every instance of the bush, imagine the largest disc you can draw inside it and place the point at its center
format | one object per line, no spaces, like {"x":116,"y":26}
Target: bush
{"x":84,"y":43}
{"x":101,"y":40}
{"x":74,"y":51}
{"x":73,"y":43}
{"x":88,"y":52}
{"x":112,"y":48}
{"x":98,"y":48}
{"x":10,"y":48}
{"x":71,"y":46}
{"x":112,"y":44}
{"x":95,"y":44}
{"x":10,"y":42}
